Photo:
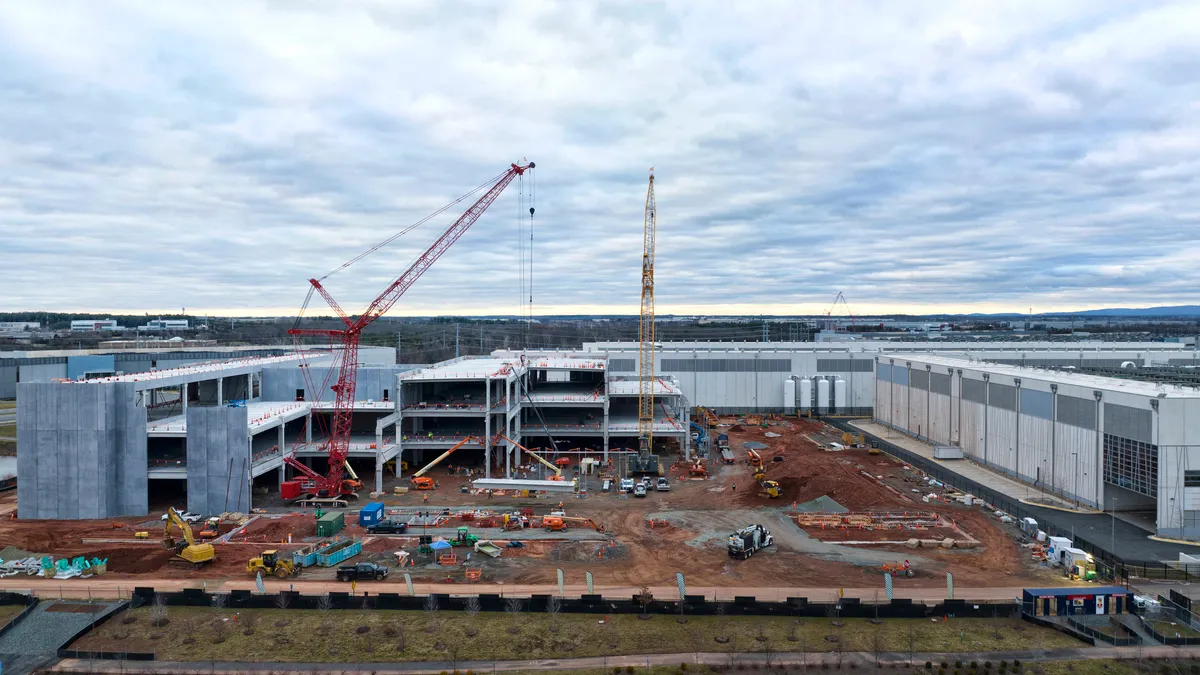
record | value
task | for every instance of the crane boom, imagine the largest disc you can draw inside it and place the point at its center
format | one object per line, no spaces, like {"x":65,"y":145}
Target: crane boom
{"x":338,"y":445}
{"x":646,"y":335}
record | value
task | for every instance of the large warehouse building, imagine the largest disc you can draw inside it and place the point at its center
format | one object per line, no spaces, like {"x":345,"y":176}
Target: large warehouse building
{"x":1105,"y":442}
{"x":736,"y":377}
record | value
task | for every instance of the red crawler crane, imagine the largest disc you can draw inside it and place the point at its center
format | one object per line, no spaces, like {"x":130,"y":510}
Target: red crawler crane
{"x":332,"y":485}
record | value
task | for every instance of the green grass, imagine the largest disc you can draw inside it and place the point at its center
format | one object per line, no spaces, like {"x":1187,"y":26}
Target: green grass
{"x":333,"y":636}
{"x":1168,"y":629}
{"x":8,"y":429}
{"x":7,"y":612}
{"x":7,"y":405}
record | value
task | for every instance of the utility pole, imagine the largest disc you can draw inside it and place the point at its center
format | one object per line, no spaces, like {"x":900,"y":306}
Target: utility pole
{"x":399,"y":343}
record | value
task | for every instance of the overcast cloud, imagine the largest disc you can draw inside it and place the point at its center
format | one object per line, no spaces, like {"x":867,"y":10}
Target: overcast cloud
{"x":920,"y":156}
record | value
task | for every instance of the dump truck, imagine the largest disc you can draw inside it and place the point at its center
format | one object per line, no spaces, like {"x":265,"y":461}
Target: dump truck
{"x":748,"y":541}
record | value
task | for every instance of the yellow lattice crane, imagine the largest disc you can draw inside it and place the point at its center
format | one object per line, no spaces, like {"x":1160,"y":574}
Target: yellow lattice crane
{"x":646,"y":461}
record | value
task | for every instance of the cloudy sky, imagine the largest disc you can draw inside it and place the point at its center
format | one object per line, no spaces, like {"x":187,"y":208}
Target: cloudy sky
{"x":920,"y":156}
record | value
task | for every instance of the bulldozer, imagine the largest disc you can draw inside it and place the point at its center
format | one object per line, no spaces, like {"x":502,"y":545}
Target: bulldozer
{"x":769,"y":489}
{"x":269,"y":562}
{"x":186,"y":551}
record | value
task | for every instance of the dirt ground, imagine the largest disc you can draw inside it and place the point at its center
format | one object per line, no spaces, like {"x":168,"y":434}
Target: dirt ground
{"x":692,"y":522}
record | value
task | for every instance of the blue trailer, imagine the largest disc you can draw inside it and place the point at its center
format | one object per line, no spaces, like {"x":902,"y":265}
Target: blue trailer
{"x":335,"y":553}
{"x":370,"y":514}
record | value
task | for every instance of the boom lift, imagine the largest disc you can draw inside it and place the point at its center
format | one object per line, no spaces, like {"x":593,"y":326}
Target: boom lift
{"x":332,"y":485}
{"x":550,"y":465}
{"x":421,"y":482}
{"x":187,"y":550}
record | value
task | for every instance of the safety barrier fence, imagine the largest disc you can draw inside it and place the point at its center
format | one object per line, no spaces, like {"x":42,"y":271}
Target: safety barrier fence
{"x":596,"y":604}
{"x":1102,"y":636}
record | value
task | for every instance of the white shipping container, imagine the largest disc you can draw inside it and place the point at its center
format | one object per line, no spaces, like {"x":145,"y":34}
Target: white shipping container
{"x":947,"y":452}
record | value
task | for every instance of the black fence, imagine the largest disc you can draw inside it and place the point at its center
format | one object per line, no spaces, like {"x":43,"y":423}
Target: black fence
{"x":1108,"y":565}
{"x":695,"y":605}
{"x":1173,"y":641}
{"x":1102,"y":636}
{"x":1060,"y":627}
{"x":67,"y":653}
{"x":10,"y":598}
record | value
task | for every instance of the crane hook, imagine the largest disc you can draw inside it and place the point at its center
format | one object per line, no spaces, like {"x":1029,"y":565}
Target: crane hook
{"x":531,"y":212}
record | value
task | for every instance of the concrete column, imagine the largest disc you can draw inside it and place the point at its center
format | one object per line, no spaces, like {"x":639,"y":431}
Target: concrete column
{"x":1017,"y":440}
{"x":1099,"y":468}
{"x":987,"y":410}
{"x":220,"y":391}
{"x":282,"y":473}
{"x":282,"y":437}
{"x":928,"y":400}
{"x":249,"y":386}
{"x":379,"y":466}
{"x":606,"y":430}
{"x":183,"y":396}
{"x":508,"y":448}
{"x":687,"y":436}
{"x":308,"y":428}
{"x":1053,"y":433}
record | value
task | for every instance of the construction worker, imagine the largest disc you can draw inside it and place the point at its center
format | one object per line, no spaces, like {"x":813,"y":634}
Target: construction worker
{"x":424,"y":499}
{"x":734,"y":488}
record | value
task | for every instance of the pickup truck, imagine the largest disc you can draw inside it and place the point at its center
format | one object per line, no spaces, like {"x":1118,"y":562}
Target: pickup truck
{"x":362,"y":572}
{"x":387,"y":527}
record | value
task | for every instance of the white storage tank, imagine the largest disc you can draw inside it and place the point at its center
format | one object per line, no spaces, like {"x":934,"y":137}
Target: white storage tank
{"x":839,"y":395}
{"x":822,"y":396}
{"x":805,"y":394}
{"x":789,"y":396}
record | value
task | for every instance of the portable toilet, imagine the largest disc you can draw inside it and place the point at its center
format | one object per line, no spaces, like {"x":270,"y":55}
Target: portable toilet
{"x":330,"y":523}
{"x":370,"y":514}
{"x":1029,"y":526}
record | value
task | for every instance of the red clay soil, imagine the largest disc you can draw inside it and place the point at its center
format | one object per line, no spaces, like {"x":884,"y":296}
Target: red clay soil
{"x":267,"y":530}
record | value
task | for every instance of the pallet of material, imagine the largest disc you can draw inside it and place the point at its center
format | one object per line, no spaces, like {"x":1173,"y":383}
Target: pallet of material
{"x":338,"y":552}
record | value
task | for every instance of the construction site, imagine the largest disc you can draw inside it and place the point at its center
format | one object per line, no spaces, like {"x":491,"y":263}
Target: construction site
{"x":321,"y":465}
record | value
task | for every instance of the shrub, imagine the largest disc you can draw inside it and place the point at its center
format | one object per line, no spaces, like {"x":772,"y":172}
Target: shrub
{"x":957,"y":664}
{"x":987,"y":665}
{"x":1016,"y":664}
{"x":616,"y":670}
{"x":943,"y":665}
{"x":1004,"y":664}
{"x":629,"y":669}
{"x":974,"y":664}
{"x":683,"y":666}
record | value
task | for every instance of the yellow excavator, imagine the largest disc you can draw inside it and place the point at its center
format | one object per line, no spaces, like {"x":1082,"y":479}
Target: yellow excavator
{"x":550,"y":465}
{"x":186,"y":551}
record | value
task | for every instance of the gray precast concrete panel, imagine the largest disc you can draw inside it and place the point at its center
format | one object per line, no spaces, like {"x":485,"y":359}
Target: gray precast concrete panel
{"x":27,"y":464}
{"x":218,"y":459}
{"x":280,"y":384}
{"x":129,"y":440}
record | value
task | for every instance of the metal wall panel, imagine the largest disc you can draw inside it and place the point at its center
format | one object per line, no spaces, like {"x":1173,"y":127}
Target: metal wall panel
{"x":1002,"y":396}
{"x":939,"y":383}
{"x":883,"y":372}
{"x":919,"y":379}
{"x":864,"y":365}
{"x":1132,"y":423}
{"x":1037,"y":403}
{"x":974,"y":390}
{"x":1077,"y":412}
